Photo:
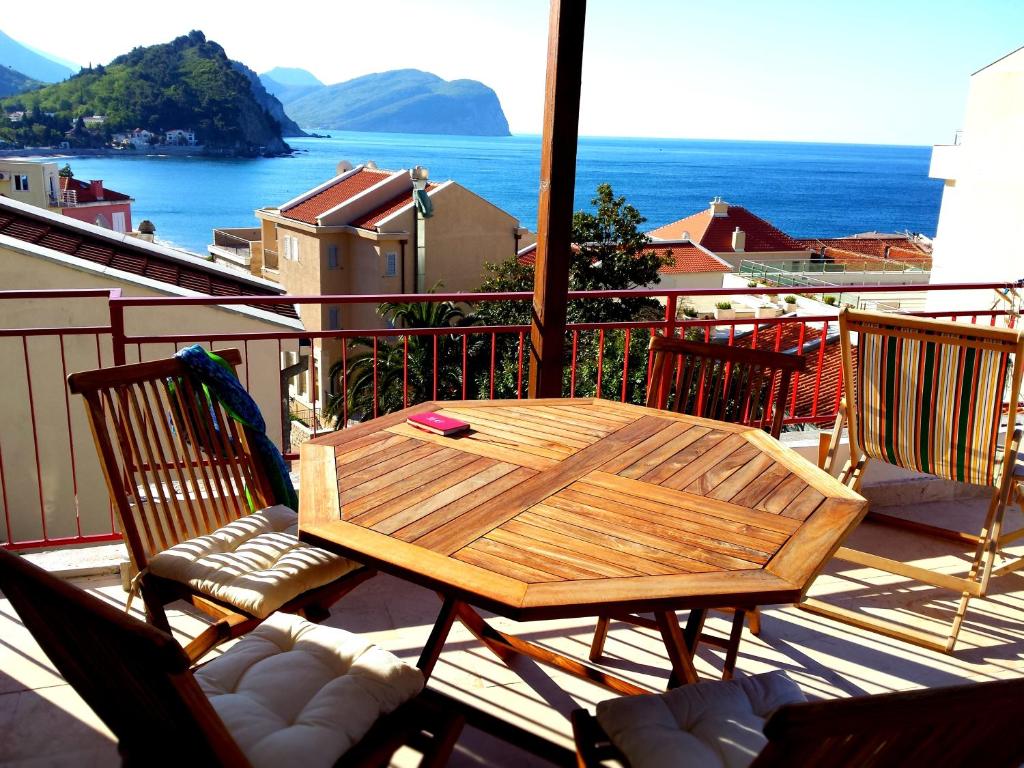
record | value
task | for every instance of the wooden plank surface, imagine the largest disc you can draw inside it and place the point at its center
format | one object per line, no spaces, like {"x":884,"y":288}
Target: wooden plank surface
{"x":579,"y":503}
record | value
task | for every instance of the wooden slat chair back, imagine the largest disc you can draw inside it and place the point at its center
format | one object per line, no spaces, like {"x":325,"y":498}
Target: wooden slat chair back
{"x":139,"y":681}
{"x":134,"y":676}
{"x":933,"y":397}
{"x":176,"y":465}
{"x":939,"y":727}
{"x":717,"y":381}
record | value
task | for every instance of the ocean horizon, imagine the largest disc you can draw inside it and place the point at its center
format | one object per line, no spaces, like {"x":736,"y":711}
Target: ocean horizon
{"x":804,"y":188}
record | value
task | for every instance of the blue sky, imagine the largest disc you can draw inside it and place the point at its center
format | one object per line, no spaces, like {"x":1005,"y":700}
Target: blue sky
{"x":870,"y":71}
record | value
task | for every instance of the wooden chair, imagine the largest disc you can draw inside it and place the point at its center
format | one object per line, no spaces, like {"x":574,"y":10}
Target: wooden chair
{"x":139,"y":682}
{"x":928,"y":396}
{"x":178,"y":467}
{"x":715,"y":381}
{"x":940,"y":727}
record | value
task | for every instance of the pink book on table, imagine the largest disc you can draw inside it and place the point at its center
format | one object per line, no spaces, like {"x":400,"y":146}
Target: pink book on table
{"x":435,"y":422}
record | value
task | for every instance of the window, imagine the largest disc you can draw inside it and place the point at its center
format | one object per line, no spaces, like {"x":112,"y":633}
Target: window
{"x":332,"y":257}
{"x":333,"y":319}
{"x":21,"y":182}
{"x":390,"y":264}
{"x":290,"y":248}
{"x":119,"y":223}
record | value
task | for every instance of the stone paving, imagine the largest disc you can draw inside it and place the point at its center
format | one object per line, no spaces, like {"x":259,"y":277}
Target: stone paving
{"x":44,"y":723}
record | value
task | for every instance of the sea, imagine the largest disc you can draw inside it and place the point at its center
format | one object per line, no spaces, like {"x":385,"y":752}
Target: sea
{"x":824,"y":190}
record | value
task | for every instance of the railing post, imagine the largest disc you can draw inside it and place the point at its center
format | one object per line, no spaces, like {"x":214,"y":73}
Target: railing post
{"x":116,"y":329}
{"x":670,"y":316}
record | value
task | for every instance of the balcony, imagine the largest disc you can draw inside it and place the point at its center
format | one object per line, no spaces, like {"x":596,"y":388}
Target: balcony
{"x":233,"y":246}
{"x":54,"y":499}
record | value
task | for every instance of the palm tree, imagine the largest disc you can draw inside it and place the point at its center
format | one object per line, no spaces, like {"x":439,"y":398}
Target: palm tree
{"x":401,"y":379}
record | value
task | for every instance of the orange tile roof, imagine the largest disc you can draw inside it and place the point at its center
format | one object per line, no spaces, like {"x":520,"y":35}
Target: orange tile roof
{"x":377,"y":215}
{"x":125,"y":256}
{"x":847,"y":249}
{"x":310,"y":209}
{"x":785,"y":337}
{"x":715,"y":232}
{"x":683,"y":258}
{"x":687,"y":258}
{"x":84,"y":192}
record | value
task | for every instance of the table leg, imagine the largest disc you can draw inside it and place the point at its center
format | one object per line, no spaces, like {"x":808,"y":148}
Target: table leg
{"x":438,"y":635}
{"x":694,"y":628}
{"x":679,"y":653}
{"x":506,"y":647}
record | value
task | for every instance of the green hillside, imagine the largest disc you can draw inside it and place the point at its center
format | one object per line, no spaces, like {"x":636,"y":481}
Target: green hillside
{"x":12,"y":82}
{"x":188,"y":83}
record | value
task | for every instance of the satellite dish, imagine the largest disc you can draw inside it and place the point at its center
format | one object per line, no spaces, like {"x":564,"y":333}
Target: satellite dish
{"x":343,"y":167}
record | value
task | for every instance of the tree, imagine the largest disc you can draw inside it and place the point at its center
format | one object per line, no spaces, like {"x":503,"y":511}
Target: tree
{"x":401,"y":380}
{"x":610,"y":252}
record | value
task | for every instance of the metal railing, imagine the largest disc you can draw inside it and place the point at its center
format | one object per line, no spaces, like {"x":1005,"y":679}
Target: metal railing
{"x":53,"y":493}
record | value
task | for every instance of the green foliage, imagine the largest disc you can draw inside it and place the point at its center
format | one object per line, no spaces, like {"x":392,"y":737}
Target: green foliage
{"x":724,"y":305}
{"x":790,"y":299}
{"x":830,"y":300}
{"x":399,"y":384}
{"x":187,"y":83}
{"x":611,"y":252}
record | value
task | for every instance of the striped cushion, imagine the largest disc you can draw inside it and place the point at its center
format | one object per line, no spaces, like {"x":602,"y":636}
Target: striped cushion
{"x":930,"y":406}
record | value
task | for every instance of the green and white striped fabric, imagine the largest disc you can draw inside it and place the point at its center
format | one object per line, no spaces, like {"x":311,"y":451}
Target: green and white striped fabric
{"x":929,"y":406}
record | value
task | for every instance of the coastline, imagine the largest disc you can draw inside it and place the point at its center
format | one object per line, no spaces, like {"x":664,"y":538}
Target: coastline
{"x":28,"y":153}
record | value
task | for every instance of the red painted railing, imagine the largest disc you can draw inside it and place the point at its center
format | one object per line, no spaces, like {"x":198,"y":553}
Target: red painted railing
{"x":50,"y":486}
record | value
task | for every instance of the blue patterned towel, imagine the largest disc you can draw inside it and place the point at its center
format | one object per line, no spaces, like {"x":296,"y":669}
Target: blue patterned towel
{"x":219,"y":381}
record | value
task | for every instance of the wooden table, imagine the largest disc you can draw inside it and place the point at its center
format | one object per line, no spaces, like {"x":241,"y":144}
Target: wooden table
{"x":565,"y":508}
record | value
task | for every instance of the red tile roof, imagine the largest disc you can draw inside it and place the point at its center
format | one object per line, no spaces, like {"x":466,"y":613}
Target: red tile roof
{"x":715,"y":232}
{"x":377,"y":215}
{"x":687,"y":258}
{"x":111,"y":252}
{"x":84,"y":192}
{"x":786,"y":337}
{"x":683,"y":258}
{"x":337,"y":193}
{"x":848,"y":249}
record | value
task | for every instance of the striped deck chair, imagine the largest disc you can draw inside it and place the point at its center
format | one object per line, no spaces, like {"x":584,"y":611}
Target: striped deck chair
{"x":928,"y":396}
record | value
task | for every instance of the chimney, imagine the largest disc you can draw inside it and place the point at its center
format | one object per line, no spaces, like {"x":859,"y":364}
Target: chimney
{"x":739,"y":240}
{"x":96,"y":187}
{"x":719,"y":207}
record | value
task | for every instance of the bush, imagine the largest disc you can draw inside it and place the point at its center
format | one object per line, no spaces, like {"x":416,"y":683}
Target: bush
{"x":830,"y":300}
{"x":751,"y":284}
{"x":689,"y":311}
{"x":724,"y":305}
{"x":790,"y":299}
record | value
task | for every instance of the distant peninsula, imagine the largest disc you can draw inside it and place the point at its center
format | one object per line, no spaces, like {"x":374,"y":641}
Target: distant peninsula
{"x":12,"y":81}
{"x":185,"y":91}
{"x":398,"y":101}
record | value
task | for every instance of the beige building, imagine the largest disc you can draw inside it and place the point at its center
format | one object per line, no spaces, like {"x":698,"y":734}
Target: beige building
{"x":43,"y":250}
{"x":37,"y":184}
{"x":981,"y":220}
{"x":360,"y":233}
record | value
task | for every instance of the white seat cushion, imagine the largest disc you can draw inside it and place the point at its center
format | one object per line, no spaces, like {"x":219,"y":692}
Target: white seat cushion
{"x":703,"y":725}
{"x":256,"y":563}
{"x":294,"y":693}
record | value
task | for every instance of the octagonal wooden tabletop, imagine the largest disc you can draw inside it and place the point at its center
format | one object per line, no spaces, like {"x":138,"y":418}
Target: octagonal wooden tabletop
{"x":575,"y":507}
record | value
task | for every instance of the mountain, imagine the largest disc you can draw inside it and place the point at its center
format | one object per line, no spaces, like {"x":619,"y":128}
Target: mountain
{"x":29,"y":63}
{"x":292,"y":76}
{"x":290,"y":83}
{"x":12,"y":82}
{"x":188,"y":83}
{"x":266,"y":100}
{"x":400,"y":101}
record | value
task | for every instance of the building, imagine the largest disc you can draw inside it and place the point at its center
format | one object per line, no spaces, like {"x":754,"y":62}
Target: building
{"x":93,"y":203}
{"x":734,"y":234}
{"x":865,"y":248}
{"x":980,"y":219}
{"x":178,"y":137}
{"x":42,"y":185}
{"x":41,"y":249}
{"x":359,"y":233}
